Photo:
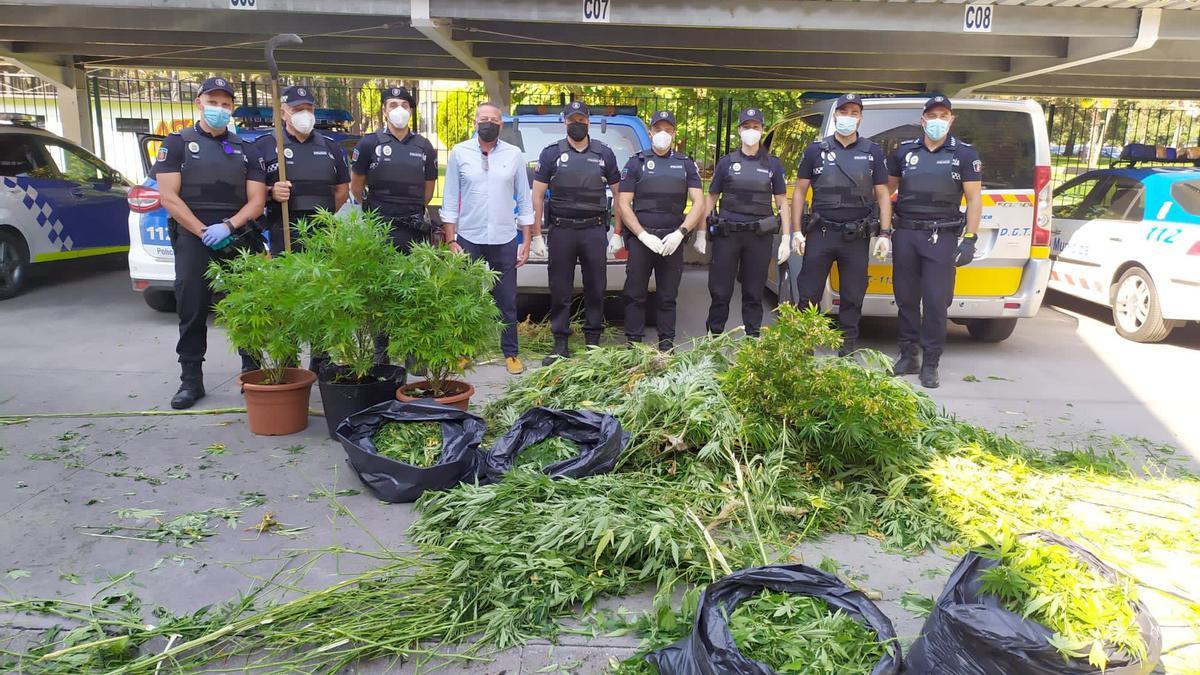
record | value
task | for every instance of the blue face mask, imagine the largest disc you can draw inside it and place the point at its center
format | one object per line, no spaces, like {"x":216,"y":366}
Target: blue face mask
{"x":937,"y":129}
{"x":216,"y":116}
{"x":845,"y":125}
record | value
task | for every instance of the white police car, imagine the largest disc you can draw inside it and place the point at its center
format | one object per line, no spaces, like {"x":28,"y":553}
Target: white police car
{"x":1128,"y":238}
{"x":58,"y":202}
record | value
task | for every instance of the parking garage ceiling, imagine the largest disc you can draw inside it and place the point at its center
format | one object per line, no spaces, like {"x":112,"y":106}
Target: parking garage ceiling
{"x":1106,"y":48}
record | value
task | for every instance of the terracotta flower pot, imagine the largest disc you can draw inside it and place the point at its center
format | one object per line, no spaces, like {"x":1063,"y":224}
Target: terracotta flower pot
{"x":277,"y":409}
{"x":459,"y":399}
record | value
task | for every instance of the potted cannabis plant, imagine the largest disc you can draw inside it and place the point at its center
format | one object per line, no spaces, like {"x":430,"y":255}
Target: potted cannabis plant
{"x":350,"y":277}
{"x":448,"y":318}
{"x":259,"y":309}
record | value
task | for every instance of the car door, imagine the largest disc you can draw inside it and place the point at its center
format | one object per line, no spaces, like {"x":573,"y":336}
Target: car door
{"x":90,"y":202}
{"x":1070,"y":244}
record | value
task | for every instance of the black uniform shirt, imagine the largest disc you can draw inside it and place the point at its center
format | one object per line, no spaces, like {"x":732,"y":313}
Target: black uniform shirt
{"x":170,"y":160}
{"x":364,"y":152}
{"x":811,"y":166}
{"x":965,"y":165}
{"x":778,"y":182}
{"x":632,"y":173}
{"x":266,"y":148}
{"x":548,"y":164}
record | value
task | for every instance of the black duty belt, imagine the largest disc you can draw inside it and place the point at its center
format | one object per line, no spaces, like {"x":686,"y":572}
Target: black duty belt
{"x":576,"y":223}
{"x":720,"y":227}
{"x":861,"y":228}
{"x":415,"y":223}
{"x":927,"y":225}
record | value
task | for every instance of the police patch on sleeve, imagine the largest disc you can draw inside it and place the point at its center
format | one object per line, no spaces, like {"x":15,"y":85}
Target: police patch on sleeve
{"x":354,"y":155}
{"x":624,"y":173}
{"x":977,"y":165}
{"x":162,"y":154}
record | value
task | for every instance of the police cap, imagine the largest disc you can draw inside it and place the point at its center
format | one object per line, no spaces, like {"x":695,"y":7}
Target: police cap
{"x":749,"y":114}
{"x":662,"y":116}
{"x":937,"y":100}
{"x":401,"y":93}
{"x":844,"y":99}
{"x":215,"y":84}
{"x":297,"y":94}
{"x":575,"y":108}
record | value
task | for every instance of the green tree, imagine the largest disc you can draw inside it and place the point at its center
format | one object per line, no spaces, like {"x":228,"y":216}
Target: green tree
{"x":456,"y":117}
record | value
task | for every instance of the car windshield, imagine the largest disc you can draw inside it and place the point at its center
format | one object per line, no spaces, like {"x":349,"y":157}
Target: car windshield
{"x":531,"y":137}
{"x":1004,"y":140}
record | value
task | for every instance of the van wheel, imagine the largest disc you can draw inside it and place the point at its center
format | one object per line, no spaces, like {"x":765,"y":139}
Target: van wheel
{"x":1137,"y":314}
{"x":991,"y":330}
{"x":14,"y":264}
{"x":159,"y":301}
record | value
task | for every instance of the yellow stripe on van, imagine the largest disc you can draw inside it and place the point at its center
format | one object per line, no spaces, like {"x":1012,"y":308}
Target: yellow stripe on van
{"x":82,"y":253}
{"x":1039,"y":252}
{"x":994,"y":281}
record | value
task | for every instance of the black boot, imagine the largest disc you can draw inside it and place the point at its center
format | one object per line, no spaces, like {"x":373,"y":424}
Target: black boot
{"x":666,"y":344}
{"x":848,"y":347}
{"x":191,"y":385}
{"x":591,"y":340}
{"x":929,"y":366}
{"x":561,"y":351}
{"x":908,"y":363}
{"x":249,"y":363}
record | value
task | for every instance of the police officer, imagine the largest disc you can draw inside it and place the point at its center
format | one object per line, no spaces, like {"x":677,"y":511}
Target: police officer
{"x":394,"y":170}
{"x":318,"y":177}
{"x":742,"y":228}
{"x":656,"y":185}
{"x":576,"y":170}
{"x":213,"y":187}
{"x":933,"y":173}
{"x":848,"y":175}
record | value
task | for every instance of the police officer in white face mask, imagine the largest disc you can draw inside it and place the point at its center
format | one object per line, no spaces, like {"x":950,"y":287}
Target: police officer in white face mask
{"x":742,"y":224}
{"x":395,"y":169}
{"x":318,"y":177}
{"x":656,"y":185}
{"x":932,"y":176}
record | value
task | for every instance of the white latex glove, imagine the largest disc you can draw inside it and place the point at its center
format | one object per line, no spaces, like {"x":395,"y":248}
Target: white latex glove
{"x":701,"y":242}
{"x":671,"y":243}
{"x":785,"y":249}
{"x":883,"y":248}
{"x":651,"y":242}
{"x":615,"y":243}
{"x":798,"y":243}
{"x":537,"y":247}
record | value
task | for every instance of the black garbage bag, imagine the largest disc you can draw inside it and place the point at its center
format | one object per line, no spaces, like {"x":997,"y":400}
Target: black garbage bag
{"x":394,"y":481}
{"x":599,"y":437}
{"x":710,"y":650}
{"x":970,"y":633}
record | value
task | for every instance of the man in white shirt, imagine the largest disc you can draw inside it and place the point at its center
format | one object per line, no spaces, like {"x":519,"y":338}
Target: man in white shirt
{"x":485,"y":198}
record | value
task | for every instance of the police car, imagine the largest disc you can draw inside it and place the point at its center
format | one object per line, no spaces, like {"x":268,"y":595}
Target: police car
{"x":533,"y":127}
{"x":151,"y":258}
{"x":1128,"y":238}
{"x":58,"y":202}
{"x":1007,"y":280}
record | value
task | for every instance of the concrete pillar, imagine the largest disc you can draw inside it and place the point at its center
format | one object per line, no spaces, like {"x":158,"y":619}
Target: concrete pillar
{"x":71,"y":83}
{"x":499,"y":89}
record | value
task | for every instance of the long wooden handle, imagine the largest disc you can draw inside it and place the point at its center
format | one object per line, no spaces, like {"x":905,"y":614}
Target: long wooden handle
{"x":278,"y":122}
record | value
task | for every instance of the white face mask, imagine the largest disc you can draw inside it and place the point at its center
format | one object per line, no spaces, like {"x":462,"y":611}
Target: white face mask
{"x":751,"y":136}
{"x":304,"y":121}
{"x":845,"y":125}
{"x":399,"y":117}
{"x":662,"y":140}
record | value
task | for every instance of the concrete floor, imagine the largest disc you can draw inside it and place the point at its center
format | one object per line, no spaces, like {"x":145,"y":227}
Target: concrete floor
{"x":80,"y":340}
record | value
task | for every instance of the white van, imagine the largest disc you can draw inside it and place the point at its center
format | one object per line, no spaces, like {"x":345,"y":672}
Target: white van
{"x":1007,"y":280}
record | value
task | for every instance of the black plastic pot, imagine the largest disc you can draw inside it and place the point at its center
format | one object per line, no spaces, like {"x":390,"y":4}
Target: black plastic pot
{"x":342,"y":400}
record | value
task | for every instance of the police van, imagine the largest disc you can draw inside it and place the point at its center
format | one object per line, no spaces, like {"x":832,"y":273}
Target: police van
{"x":1007,"y":281}
{"x":151,"y":258}
{"x":533,"y":127}
{"x":58,"y":202}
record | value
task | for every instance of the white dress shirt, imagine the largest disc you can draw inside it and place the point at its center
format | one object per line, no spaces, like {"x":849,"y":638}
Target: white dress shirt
{"x":486,"y":196}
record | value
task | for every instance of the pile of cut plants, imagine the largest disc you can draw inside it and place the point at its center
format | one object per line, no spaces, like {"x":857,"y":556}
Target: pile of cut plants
{"x":415,"y":443}
{"x":738,"y":451}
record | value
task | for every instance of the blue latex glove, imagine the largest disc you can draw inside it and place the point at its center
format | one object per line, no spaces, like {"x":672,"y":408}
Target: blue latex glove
{"x":215,"y":234}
